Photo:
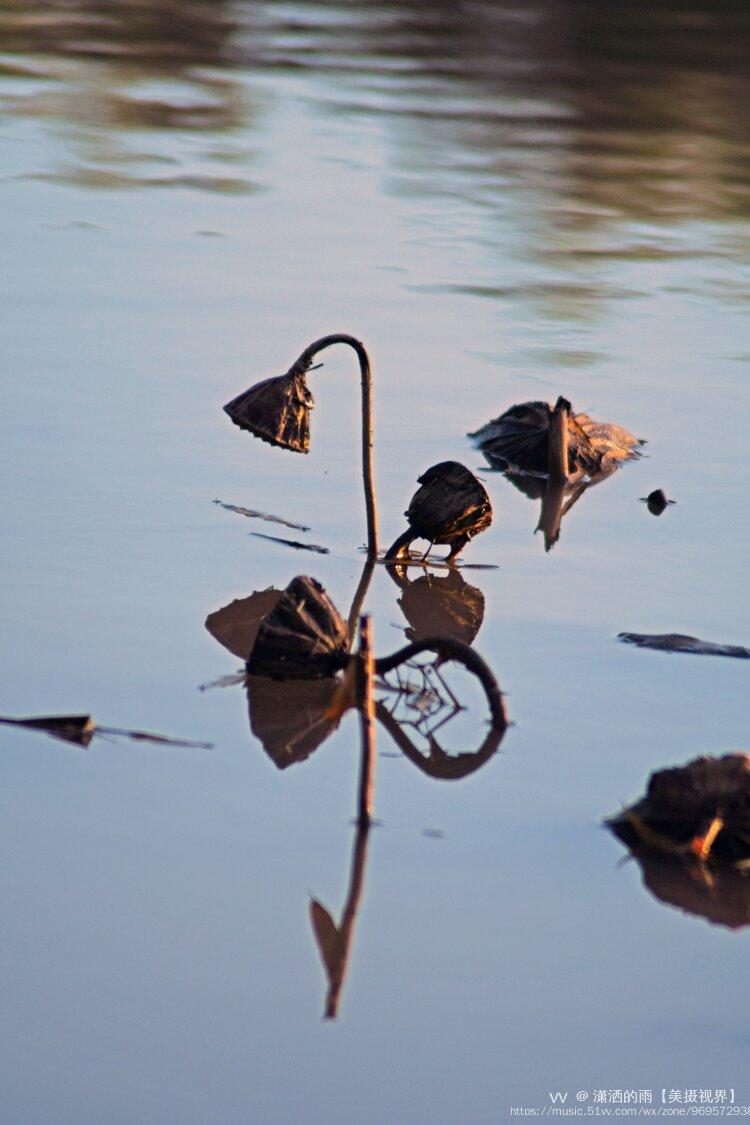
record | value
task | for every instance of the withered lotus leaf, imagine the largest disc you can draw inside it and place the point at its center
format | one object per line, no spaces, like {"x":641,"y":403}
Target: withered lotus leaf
{"x":304,"y":637}
{"x":699,"y":809}
{"x":79,"y":729}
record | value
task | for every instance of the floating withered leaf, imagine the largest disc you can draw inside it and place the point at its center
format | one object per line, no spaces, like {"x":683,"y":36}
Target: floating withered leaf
{"x":81,"y":729}
{"x":451,"y":507}
{"x":657,"y":501}
{"x":446,"y":605}
{"x":677,"y":642}
{"x":252,"y":514}
{"x":276,"y":410}
{"x":518,"y":441}
{"x":235,"y":626}
{"x":697,"y":811}
{"x":291,"y":718}
{"x":293,"y":543}
{"x":304,"y":636}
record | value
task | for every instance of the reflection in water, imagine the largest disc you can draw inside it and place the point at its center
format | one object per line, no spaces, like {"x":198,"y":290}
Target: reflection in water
{"x":127,"y":81}
{"x":690,"y":834}
{"x":291,"y":718}
{"x":422,"y":702}
{"x":637,"y":110}
{"x":720,"y":895}
{"x":556,"y":500}
{"x":439,"y":605}
{"x":335,"y":942}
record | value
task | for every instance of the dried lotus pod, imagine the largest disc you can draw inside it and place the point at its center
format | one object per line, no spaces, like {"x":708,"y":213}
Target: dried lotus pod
{"x":276,"y":410}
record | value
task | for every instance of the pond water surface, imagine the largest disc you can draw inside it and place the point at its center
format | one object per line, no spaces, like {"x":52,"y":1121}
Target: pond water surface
{"x":504,"y":202}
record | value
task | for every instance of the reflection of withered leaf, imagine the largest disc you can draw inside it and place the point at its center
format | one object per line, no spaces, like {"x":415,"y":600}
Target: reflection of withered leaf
{"x":236,"y":625}
{"x":291,"y":718}
{"x":328,"y":939}
{"x":79,"y":729}
{"x":442,"y":606}
{"x":303,"y":637}
{"x":721,"y":895}
{"x":677,"y":642}
{"x":294,"y":543}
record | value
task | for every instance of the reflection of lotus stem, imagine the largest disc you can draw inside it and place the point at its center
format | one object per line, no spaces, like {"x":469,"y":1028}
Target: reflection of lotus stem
{"x":303,"y":364}
{"x":348,"y":920}
{"x":367,"y":722}
{"x":448,"y":649}
{"x":359,"y":597}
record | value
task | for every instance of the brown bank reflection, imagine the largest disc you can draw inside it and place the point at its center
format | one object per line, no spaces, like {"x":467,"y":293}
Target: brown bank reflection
{"x":637,"y":110}
{"x":127,"y":82}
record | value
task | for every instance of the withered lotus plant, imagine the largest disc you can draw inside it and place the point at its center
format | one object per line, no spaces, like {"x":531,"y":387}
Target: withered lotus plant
{"x":277,"y":411}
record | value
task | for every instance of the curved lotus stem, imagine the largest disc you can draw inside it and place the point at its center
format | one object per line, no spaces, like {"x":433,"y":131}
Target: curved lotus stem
{"x":448,"y":649}
{"x":302,"y":364}
{"x":441,"y":765}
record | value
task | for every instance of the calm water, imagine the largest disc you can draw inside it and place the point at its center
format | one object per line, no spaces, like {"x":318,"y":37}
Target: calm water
{"x":504,"y":202}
